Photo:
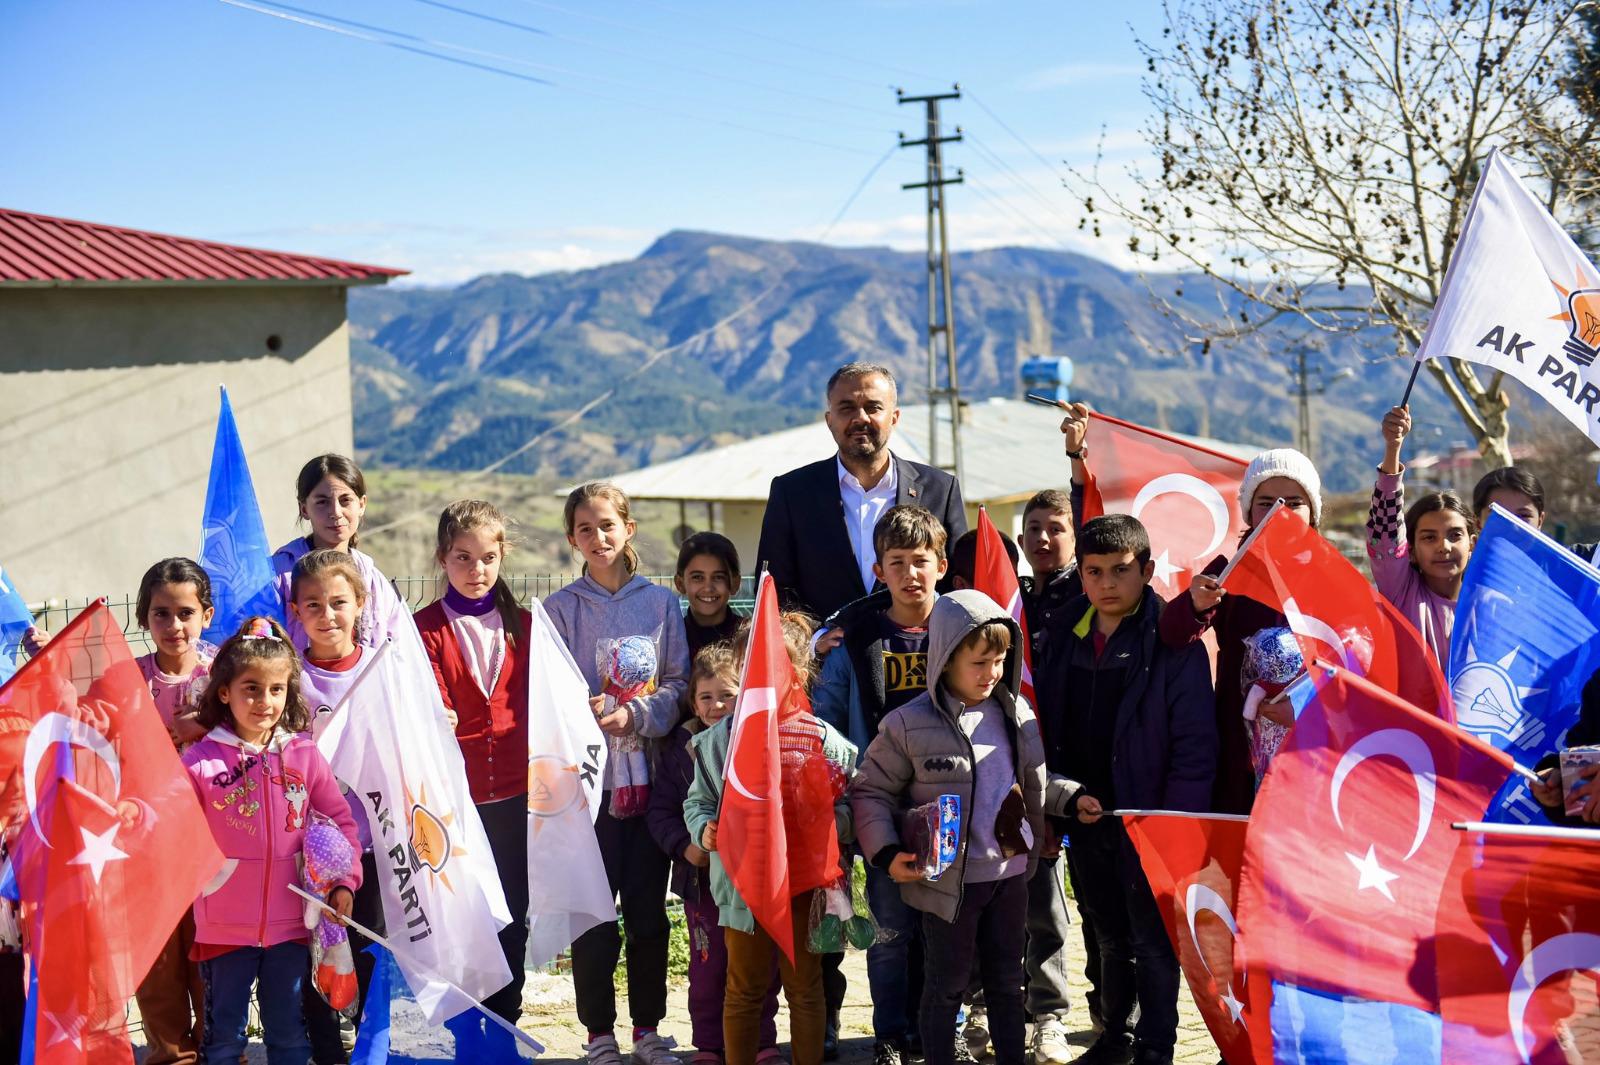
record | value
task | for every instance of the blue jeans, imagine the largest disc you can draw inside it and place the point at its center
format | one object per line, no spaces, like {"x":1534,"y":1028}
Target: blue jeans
{"x":276,"y":973}
{"x":894,"y":968}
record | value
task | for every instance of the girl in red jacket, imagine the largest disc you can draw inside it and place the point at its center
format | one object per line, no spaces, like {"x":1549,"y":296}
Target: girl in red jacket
{"x":260,"y":780}
{"x":477,"y":639}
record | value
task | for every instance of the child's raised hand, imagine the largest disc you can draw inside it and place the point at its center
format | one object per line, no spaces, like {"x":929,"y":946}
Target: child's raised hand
{"x":34,"y":639}
{"x":1396,"y":424}
{"x":708,"y":837}
{"x":1205,"y":592}
{"x":341,"y":901}
{"x":1089,"y":809}
{"x":905,"y":868}
{"x":1075,"y":426}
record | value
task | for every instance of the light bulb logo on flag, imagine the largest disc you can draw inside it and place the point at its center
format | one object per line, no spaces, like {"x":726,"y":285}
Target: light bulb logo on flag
{"x":1583,"y":311}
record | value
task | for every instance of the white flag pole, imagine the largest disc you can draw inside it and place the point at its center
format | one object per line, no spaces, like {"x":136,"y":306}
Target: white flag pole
{"x":351,"y":922}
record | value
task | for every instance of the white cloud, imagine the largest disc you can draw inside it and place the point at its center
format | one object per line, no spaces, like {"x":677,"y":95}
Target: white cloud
{"x":1068,"y":74}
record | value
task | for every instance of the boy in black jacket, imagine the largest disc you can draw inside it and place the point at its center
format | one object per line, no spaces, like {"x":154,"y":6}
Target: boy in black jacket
{"x":1137,"y":728}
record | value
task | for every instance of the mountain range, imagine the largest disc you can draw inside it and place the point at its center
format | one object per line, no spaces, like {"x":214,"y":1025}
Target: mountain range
{"x":457,"y":378}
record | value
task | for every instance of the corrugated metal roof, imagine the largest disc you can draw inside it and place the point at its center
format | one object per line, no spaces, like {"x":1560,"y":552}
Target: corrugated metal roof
{"x":1011,"y":450}
{"x":38,"y":250}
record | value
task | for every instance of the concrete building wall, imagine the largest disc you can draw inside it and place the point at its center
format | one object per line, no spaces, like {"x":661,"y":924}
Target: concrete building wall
{"x":108,"y":407}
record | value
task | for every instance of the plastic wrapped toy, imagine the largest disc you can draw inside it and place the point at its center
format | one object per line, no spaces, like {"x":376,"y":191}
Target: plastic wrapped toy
{"x":932,"y":832}
{"x":627,"y":667}
{"x":1272,"y":661}
{"x":328,"y":857}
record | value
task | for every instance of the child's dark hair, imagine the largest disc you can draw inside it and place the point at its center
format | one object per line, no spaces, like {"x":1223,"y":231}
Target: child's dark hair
{"x":990,"y":635}
{"x":717,"y":659}
{"x":1114,"y":534}
{"x":797,"y":628}
{"x":171,"y":571}
{"x":1052,"y":499}
{"x":1432,"y":503}
{"x":258,"y":640}
{"x":964,"y":555}
{"x":465,"y":515}
{"x":330,"y":465}
{"x":618,"y":499}
{"x":717,"y":546}
{"x":1511,"y":478}
{"x":908,"y":528}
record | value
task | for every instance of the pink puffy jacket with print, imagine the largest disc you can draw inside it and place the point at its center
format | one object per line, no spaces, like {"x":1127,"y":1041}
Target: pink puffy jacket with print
{"x":259,"y":802}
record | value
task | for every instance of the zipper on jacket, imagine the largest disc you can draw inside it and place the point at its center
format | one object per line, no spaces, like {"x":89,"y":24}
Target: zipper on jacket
{"x":266,"y":835}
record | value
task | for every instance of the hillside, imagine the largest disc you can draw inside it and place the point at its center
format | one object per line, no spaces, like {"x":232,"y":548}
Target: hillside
{"x":453,"y":379}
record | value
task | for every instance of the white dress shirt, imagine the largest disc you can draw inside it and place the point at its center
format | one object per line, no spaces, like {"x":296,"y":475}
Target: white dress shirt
{"x":862,"y":509}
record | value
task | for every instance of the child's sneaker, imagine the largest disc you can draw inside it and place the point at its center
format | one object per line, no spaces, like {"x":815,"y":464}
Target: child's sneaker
{"x":603,"y":1050}
{"x":976,"y":1032}
{"x":651,"y":1049}
{"x":1050,"y":1041}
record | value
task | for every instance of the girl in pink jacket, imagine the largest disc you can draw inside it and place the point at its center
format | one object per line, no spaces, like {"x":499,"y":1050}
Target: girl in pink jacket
{"x":260,"y":781}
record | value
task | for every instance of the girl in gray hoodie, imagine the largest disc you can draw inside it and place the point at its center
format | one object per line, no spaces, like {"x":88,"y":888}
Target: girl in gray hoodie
{"x":609,"y":603}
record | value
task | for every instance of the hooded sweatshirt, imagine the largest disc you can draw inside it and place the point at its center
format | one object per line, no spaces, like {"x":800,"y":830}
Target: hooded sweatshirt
{"x":258,"y":802}
{"x":586,"y":616}
{"x":383,"y":612}
{"x":928,"y":748}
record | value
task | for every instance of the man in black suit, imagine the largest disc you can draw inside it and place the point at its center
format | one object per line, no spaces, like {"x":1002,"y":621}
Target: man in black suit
{"x":816,"y":536}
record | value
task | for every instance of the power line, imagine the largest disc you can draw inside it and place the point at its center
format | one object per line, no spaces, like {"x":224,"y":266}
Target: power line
{"x":667,"y":64}
{"x":319,"y":21}
{"x":1016,"y":136}
{"x":995,"y":200}
{"x":651,"y":360}
{"x":994,"y":159}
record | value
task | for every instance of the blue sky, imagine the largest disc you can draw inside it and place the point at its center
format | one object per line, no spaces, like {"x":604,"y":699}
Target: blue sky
{"x":205,"y":119}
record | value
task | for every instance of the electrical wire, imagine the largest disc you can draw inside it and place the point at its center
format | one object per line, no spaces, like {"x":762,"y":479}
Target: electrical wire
{"x":993,"y":158}
{"x":986,"y":109}
{"x":657,"y":60}
{"x":998,"y":202}
{"x":320,"y":21}
{"x":651,"y":360}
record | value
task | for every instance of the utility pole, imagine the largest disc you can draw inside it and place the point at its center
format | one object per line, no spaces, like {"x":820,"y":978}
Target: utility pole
{"x":1309,"y":381}
{"x":941,"y":317}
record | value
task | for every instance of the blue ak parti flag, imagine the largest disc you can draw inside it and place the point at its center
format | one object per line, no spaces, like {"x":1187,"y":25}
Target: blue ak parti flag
{"x":233,"y":542}
{"x":15,"y":620}
{"x":1334,"y":1029}
{"x":1523,"y":646}
{"x":395,"y":1031}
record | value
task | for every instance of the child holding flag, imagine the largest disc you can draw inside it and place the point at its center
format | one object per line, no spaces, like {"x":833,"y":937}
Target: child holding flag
{"x":1417,"y":563}
{"x":969,"y":734}
{"x":333,"y":497}
{"x":327,"y":596}
{"x":605,"y":612}
{"x":713,"y":690}
{"x":259,"y":781}
{"x":174,"y":606}
{"x":476,"y":638}
{"x":805,"y":742}
{"x":1281,"y":473}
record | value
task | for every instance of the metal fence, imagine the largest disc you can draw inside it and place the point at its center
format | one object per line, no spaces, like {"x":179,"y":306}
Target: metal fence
{"x":416,"y":592}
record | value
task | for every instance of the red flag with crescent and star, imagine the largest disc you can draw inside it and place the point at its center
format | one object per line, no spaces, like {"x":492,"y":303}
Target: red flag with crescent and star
{"x":1192,"y":862}
{"x":775,"y":829}
{"x":1519,"y":946}
{"x":110,"y":844}
{"x":1335,"y":612}
{"x":994,"y":575}
{"x":1186,"y":494}
{"x":1350,"y":842}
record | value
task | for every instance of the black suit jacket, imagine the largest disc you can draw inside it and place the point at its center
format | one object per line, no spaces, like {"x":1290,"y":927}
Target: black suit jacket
{"x":804,"y":542}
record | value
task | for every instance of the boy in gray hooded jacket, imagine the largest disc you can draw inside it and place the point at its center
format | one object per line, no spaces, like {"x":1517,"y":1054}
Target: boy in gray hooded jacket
{"x":969,"y":735}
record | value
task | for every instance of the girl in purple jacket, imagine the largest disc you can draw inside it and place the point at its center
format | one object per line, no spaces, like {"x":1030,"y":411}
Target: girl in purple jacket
{"x":260,"y":781}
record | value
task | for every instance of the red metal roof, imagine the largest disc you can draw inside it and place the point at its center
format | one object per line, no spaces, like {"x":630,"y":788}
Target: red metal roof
{"x":38,"y":250}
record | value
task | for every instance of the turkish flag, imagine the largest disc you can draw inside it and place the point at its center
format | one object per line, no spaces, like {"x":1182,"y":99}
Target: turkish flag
{"x":1335,"y":612}
{"x":772,"y":811}
{"x":111,"y":844}
{"x":1351,"y":843}
{"x":1193,"y":863}
{"x":1519,"y":947}
{"x":995,"y":576}
{"x":1186,"y":495}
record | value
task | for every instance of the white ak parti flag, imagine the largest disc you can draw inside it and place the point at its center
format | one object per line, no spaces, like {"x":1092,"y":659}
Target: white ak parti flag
{"x":392,"y":746}
{"x":1521,"y":297}
{"x":568,"y":892}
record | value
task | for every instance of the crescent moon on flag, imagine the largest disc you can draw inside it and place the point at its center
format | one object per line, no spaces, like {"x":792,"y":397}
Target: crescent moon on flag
{"x":57,"y":728}
{"x":751,"y":703}
{"x":1410,"y":750}
{"x":1314,"y":628}
{"x":1572,"y":952}
{"x":1198,"y":898}
{"x":1188,"y":484}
